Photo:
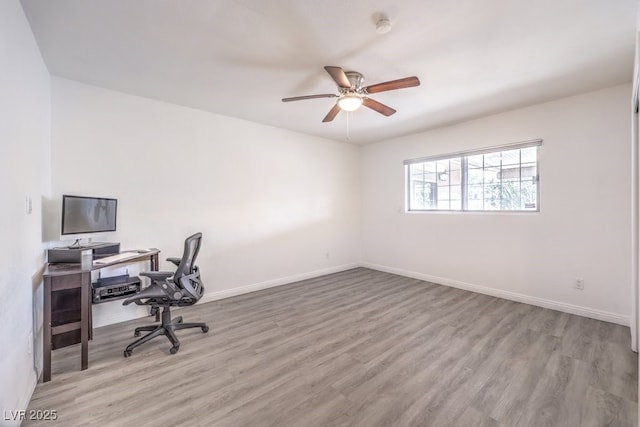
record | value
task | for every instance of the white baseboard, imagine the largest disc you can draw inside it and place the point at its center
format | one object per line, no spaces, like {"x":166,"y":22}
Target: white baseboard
{"x":227,"y":293}
{"x":513,"y":296}
{"x":28,"y":393}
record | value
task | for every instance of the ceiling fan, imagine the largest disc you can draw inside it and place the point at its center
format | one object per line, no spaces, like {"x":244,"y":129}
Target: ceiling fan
{"x":351,"y":95}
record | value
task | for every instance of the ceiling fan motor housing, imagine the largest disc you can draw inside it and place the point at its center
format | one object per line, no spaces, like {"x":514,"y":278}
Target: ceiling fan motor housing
{"x":355,"y":79}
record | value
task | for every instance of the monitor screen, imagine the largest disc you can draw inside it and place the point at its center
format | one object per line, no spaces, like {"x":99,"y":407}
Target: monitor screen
{"x":88,"y":214}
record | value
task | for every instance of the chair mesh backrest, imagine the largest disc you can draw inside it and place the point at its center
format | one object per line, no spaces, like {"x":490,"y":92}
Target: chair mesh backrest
{"x":187,"y":275}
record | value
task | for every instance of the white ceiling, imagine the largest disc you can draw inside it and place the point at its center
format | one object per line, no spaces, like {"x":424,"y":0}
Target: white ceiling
{"x":240,"y":57}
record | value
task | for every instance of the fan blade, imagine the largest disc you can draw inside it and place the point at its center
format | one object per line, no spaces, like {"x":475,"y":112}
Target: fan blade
{"x":377,"y":106}
{"x":332,"y":114}
{"x":393,"y":85}
{"x":299,"y":98}
{"x":338,"y":76}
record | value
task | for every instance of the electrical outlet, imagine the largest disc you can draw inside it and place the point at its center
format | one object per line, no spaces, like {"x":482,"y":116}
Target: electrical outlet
{"x":30,"y":343}
{"x":579,"y":284}
{"x":327,"y":255}
{"x":28,"y":204}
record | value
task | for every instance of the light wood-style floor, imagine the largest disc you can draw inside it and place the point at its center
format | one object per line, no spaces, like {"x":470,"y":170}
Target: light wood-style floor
{"x":357,"y":348}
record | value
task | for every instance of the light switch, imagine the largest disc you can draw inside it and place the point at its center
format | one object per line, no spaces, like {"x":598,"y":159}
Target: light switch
{"x":29,"y":205}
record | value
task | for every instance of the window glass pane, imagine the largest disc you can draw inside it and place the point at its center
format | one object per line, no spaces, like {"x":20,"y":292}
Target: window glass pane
{"x":475,"y":205}
{"x":443,"y":178}
{"x":492,"y":159}
{"x":511,"y":157}
{"x":443,"y":193}
{"x":424,"y":171}
{"x":529,"y":171}
{"x":422,"y":185}
{"x":418,"y":191}
{"x":510,"y":173}
{"x":421,"y":196}
{"x":492,"y":196}
{"x":442,"y":166}
{"x":500,"y":180}
{"x":529,"y":194}
{"x":415,"y":201}
{"x":475,"y":176}
{"x":510,"y":195}
{"x":415,"y":173}
{"x":443,"y":204}
{"x":429,"y":166}
{"x":529,"y":155}
{"x":475,"y":193}
{"x":455,"y":177}
{"x":475,"y":161}
{"x":455,"y":192}
{"x":491,"y":175}
{"x":491,"y":206}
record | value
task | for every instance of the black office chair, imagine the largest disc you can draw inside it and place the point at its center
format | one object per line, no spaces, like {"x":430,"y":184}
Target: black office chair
{"x":169,"y":289}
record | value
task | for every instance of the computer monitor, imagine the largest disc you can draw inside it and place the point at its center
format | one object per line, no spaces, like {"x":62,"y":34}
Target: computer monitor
{"x":83,"y":216}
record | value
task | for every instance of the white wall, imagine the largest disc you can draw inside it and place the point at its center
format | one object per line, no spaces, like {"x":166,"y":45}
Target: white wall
{"x":273,"y":205}
{"x":634,"y":195}
{"x":24,"y":171}
{"x":583,"y":228}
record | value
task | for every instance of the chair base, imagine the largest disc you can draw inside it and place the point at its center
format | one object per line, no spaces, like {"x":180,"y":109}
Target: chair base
{"x":167,"y":328}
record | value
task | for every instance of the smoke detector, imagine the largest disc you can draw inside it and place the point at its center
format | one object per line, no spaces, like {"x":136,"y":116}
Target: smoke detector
{"x":383,"y":26}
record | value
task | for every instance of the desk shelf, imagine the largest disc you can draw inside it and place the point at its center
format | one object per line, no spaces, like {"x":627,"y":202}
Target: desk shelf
{"x":125,"y":287}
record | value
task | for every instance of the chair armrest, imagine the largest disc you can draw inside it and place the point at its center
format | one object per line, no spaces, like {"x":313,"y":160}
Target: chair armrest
{"x":164,"y":281}
{"x":175,"y":261}
{"x":159,"y":276}
{"x":153,"y":291}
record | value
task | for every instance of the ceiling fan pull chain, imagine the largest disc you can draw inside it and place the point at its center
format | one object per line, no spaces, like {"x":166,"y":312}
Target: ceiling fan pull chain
{"x":348,"y":133}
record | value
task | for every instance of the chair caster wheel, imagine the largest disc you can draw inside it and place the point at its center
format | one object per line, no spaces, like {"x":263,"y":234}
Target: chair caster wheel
{"x":127,"y":353}
{"x":174,"y":350}
{"x":136,"y":334}
{"x":205,"y":329}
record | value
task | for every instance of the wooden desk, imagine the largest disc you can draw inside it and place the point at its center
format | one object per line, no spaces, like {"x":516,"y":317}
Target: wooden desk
{"x":69,"y":282}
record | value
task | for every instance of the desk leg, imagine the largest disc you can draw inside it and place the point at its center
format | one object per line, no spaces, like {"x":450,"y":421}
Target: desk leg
{"x":46,"y":331}
{"x":154,"y":262}
{"x":84,"y":319}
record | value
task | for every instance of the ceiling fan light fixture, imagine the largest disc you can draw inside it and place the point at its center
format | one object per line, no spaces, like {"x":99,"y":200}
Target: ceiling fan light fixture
{"x":349,"y":102}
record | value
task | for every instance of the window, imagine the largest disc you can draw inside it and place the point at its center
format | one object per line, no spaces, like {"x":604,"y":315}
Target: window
{"x":498,"y":179}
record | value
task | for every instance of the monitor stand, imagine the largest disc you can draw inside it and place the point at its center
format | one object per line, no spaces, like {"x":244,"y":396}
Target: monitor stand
{"x":75,"y":245}
{"x":78,"y":245}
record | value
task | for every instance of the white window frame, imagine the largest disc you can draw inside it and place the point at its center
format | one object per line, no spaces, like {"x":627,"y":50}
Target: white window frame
{"x":463,"y":155}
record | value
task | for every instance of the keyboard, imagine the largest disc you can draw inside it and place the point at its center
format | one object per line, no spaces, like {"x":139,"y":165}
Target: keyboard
{"x":115,"y":258}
